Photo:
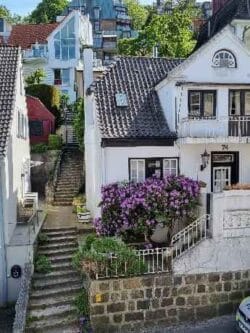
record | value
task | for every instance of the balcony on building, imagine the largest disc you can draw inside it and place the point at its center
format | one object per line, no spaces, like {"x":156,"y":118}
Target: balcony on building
{"x":36,"y":52}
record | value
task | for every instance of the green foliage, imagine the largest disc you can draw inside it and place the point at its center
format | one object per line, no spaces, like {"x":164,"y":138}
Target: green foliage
{"x":82,"y":303}
{"x":79,"y":200}
{"x":78,"y":122}
{"x":42,"y":238}
{"x":137,"y":12}
{"x":39,"y":148}
{"x":47,"y":11}
{"x":170,"y":32}
{"x":55,"y":142}
{"x":49,"y":95}
{"x":36,"y":77}
{"x":94,"y":257}
{"x":11,"y":18}
{"x":81,"y":209}
{"x":42,"y":264}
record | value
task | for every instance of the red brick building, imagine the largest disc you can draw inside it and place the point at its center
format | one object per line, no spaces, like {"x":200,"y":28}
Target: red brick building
{"x":41,"y":121}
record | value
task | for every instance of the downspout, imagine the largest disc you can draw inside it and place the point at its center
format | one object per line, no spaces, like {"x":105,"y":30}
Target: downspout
{"x":3,"y":253}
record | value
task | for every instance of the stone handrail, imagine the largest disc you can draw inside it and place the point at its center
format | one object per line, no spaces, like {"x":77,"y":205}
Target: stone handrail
{"x":23,"y":300}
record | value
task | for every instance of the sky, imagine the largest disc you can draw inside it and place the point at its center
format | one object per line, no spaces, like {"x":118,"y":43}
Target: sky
{"x":23,"y":7}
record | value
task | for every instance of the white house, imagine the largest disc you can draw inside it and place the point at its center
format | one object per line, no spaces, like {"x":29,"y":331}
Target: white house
{"x":155,"y":116}
{"x":158,"y":116}
{"x":15,"y":248}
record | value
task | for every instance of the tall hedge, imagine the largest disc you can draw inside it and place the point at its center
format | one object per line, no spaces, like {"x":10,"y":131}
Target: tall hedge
{"x":49,"y":95}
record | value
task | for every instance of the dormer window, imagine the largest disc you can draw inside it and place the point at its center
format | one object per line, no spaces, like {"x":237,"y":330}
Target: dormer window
{"x":224,"y":59}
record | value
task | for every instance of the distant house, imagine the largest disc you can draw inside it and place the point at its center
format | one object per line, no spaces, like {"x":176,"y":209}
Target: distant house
{"x":41,"y":121}
{"x":14,"y":171}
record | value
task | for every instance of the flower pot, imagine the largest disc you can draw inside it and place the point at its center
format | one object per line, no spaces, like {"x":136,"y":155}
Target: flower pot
{"x":160,"y":234}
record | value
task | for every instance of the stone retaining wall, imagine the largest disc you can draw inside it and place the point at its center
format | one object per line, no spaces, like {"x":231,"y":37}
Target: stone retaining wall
{"x":131,"y":304}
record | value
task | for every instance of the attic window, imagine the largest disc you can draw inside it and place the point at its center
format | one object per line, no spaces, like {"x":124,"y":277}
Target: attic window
{"x":224,"y":58}
{"x":121,"y":99}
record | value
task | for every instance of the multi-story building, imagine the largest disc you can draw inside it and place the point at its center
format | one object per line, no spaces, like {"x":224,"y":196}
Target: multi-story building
{"x":110,"y":22}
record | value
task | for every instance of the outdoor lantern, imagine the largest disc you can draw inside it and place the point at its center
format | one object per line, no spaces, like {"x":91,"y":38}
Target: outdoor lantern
{"x":204,"y":160}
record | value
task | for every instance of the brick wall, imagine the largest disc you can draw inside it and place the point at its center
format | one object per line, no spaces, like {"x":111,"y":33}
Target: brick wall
{"x":128,"y":305}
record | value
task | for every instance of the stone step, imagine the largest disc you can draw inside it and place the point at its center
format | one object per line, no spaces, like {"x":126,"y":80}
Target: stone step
{"x":67,"y":251}
{"x":58,"y":282}
{"x":60,"y":291}
{"x":60,"y":258}
{"x":55,"y":274}
{"x":53,"y":301}
{"x":58,"y":245}
{"x":57,"y":325}
{"x":62,"y":239}
{"x":62,"y":203}
{"x":62,"y":196}
{"x":52,"y":312}
{"x":66,"y":190}
{"x":62,"y":266}
{"x":49,"y":230}
{"x":60,"y":233}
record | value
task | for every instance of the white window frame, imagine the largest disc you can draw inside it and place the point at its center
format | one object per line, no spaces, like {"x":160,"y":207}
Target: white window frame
{"x":171,"y":169}
{"x":137,"y":161}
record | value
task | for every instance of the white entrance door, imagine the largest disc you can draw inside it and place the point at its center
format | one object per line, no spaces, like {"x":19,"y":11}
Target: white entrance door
{"x":221,"y":178}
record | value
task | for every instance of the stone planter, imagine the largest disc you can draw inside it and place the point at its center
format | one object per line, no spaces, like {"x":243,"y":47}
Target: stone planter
{"x":161,"y":234}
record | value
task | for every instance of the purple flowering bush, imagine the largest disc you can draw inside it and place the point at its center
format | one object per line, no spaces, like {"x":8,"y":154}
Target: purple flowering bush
{"x":138,"y":207}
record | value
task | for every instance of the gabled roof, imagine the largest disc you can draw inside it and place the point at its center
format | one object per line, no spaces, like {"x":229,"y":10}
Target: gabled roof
{"x":143,"y":118}
{"x":233,"y":9}
{"x":25,"y":35}
{"x":37,"y":109}
{"x":9,"y":57}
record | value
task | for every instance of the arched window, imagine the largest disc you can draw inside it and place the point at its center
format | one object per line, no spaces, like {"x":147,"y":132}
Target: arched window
{"x":224,"y":58}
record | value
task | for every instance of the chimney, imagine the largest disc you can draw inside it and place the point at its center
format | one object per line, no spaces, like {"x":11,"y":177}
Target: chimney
{"x":87,"y":45}
{"x":217,"y":4}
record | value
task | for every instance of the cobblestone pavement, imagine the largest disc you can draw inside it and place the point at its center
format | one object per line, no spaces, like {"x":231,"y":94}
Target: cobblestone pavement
{"x":6,"y":319}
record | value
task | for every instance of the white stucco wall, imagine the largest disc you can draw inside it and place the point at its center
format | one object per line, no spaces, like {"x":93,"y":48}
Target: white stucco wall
{"x":18,"y":151}
{"x":229,"y":249}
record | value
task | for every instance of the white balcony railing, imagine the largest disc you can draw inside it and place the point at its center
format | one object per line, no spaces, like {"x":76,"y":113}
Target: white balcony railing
{"x":232,"y":126}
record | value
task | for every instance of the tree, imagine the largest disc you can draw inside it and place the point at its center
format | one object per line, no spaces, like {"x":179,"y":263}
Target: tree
{"x":36,"y":77}
{"x":137,"y":12}
{"x":47,"y":11}
{"x":170,"y":32}
{"x":6,"y":14}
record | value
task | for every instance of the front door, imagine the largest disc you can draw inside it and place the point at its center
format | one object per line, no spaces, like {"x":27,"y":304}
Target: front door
{"x":221,"y":178}
{"x":225,"y":170}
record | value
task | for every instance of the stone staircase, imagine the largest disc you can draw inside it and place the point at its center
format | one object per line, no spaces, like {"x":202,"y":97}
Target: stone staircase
{"x":51,"y":303}
{"x":70,"y":177}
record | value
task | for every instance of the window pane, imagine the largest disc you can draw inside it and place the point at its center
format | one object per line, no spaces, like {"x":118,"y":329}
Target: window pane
{"x":208,"y":104}
{"x":141,"y":171}
{"x":234,"y":103}
{"x":65,"y":76}
{"x":65,"y":52}
{"x":195,"y":104}
{"x":170,"y":167}
{"x":64,"y":32}
{"x":247,"y":103}
{"x":57,"y":49}
{"x":71,"y":28}
{"x":72,"y":53}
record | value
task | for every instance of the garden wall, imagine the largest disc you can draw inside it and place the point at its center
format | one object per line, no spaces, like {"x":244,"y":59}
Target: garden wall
{"x":133,"y":304}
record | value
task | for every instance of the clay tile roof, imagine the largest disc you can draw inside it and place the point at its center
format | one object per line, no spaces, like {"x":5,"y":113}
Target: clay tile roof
{"x":9,"y":57}
{"x":25,"y":35}
{"x":232,"y":9}
{"x":37,"y":109}
{"x":143,"y":118}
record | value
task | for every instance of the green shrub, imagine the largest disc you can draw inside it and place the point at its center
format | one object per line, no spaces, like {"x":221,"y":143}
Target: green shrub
{"x":94,"y":257}
{"x":42,"y":264}
{"x":79,"y":200}
{"x":81,"y":209}
{"x":42,"y":238}
{"x":55,"y":142}
{"x":82,"y":303}
{"x":39,"y":148}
